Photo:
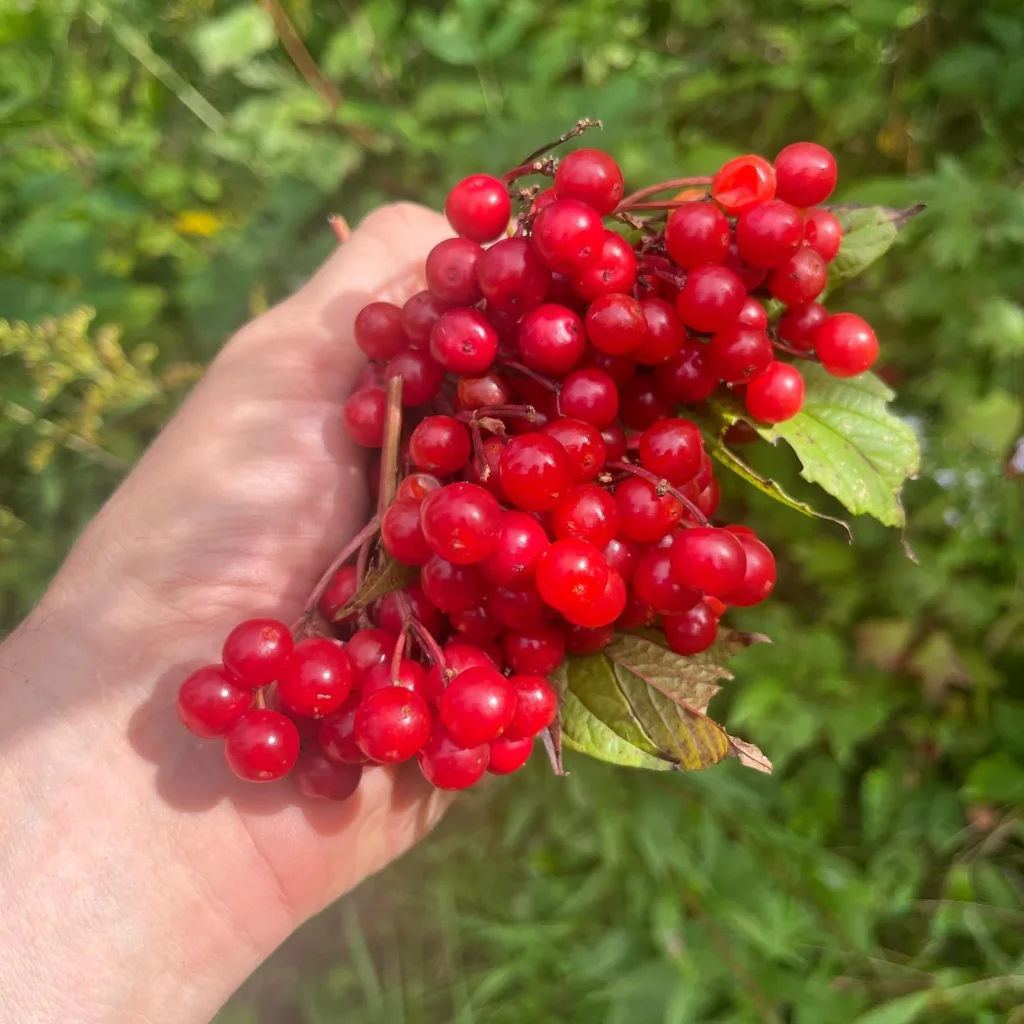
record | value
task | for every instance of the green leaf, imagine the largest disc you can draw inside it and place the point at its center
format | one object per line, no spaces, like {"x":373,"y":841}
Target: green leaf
{"x":998,"y":779}
{"x":904,"y":1010}
{"x":392,"y":575}
{"x":868,"y":234}
{"x":233,"y":39}
{"x":641,"y":705}
{"x":850,"y":444}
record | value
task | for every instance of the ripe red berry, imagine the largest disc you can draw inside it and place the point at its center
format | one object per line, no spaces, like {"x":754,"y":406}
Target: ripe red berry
{"x":711,"y":299}
{"x":409,"y":675}
{"x":463,"y":341}
{"x":452,"y":587}
{"x":620,"y":368}
{"x":262,"y":745}
{"x":622,"y":556}
{"x":514,"y":560}
{"x":440,"y":444}
{"x":584,"y":640}
{"x":604,"y":609}
{"x":752,"y":277}
{"x":759,"y":574}
{"x":256,"y":651}
{"x":567,"y":236}
{"x":645,"y":515}
{"x":392,"y":724}
{"x":535,"y":471}
{"x":846,"y":345}
{"x":799,"y":324}
{"x":379,"y":332}
{"x":823,"y":233}
{"x":739,"y":352}
{"x":753,"y":314}
{"x":477,"y":392}
{"x":768,"y":234}
{"x":490,"y":459}
{"x":697,"y":233}
{"x":614,"y":439}
{"x":571,"y":572}
{"x":551,"y":339}
{"x":776,"y":394}
{"x":614,"y":270}
{"x":805,"y":174}
{"x":477,"y":706}
{"x":211,"y":701}
{"x":801,"y":279}
{"x":590,"y":176}
{"x":508,"y":756}
{"x":656,"y":586}
{"x":419,"y":314}
{"x":317,"y":678}
{"x":687,"y":377}
{"x":416,"y":486}
{"x":673,"y":450}
{"x":640,"y":404}
{"x":708,"y":499}
{"x":446,"y":765}
{"x":337,"y":594}
{"x":590,"y":395}
{"x":665,"y":335}
{"x":368,"y":647}
{"x":461,"y":522}
{"x":319,"y":777}
{"x":536,"y":706}
{"x":588,"y":512}
{"x":450,"y":271}
{"x":478,"y":208}
{"x":709,"y":560}
{"x":517,"y":607}
{"x":394,"y":609}
{"x":616,"y":324}
{"x":401,"y":533}
{"x":363,"y":416}
{"x":691,"y":632}
{"x":583,"y":443}
{"x":336,"y":733}
{"x":742,"y":183}
{"x":421,"y":377}
{"x":534,"y":652}
{"x":512,"y":277}
{"x":475,"y":625}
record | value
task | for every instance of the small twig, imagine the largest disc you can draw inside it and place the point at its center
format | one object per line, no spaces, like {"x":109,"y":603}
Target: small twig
{"x":662,"y":186}
{"x":547,"y":166}
{"x":782,"y":347}
{"x":430,"y":645}
{"x":484,"y":467}
{"x":364,"y":536}
{"x":661,"y":487}
{"x":399,"y":652}
{"x":342,"y":232}
{"x":523,"y":412}
{"x":545,"y":382}
{"x":582,"y":125}
{"x":389,"y":450}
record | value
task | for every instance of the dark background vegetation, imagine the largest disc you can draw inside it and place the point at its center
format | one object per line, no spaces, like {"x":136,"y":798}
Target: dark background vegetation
{"x":166,"y":164}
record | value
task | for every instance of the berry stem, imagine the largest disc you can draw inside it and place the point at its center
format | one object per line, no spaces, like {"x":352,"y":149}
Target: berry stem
{"x":544,"y":382}
{"x":582,"y":125}
{"x":389,"y":450}
{"x":399,"y":652}
{"x":483,"y":467}
{"x":547,"y":166}
{"x":430,"y":645}
{"x":667,"y":204}
{"x":364,"y":536}
{"x":551,"y":737}
{"x":661,"y":486}
{"x":523,"y":412}
{"x":258,"y":699}
{"x":663,"y":186}
{"x":782,"y":347}
{"x":342,"y":232}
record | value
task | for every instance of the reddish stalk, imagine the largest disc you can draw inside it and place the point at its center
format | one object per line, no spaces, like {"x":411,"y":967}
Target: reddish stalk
{"x":430,"y":645}
{"x":547,"y":166}
{"x":544,"y":382}
{"x":483,"y":468}
{"x":782,"y":347}
{"x":399,"y":652}
{"x":668,"y":204}
{"x":661,"y":486}
{"x":582,"y":125}
{"x":365,"y":535}
{"x":663,"y":186}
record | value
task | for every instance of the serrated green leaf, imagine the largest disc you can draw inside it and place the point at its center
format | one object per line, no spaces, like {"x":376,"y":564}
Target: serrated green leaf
{"x":391,"y":576}
{"x":850,"y":444}
{"x":868,"y":234}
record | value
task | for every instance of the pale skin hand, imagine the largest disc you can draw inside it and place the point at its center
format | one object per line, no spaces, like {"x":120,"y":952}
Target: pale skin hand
{"x":140,"y":881}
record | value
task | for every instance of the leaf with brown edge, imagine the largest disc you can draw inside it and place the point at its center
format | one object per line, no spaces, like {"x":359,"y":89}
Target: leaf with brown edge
{"x":391,"y":575}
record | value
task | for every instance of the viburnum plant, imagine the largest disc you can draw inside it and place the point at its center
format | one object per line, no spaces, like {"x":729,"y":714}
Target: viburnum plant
{"x":548,"y":413}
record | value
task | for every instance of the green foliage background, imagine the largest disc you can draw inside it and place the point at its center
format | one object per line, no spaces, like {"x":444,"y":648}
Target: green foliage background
{"x":166,"y":165}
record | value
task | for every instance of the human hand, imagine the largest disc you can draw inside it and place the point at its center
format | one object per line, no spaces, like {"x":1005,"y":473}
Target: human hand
{"x":141,"y":880}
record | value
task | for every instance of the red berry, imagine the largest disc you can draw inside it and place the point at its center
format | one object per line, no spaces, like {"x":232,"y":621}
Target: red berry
{"x":416,"y":486}
{"x":622,"y":556}
{"x":517,"y":607}
{"x":799,"y":324}
{"x":640,"y":405}
{"x":846,"y":345}
{"x":752,"y":277}
{"x":319,"y":777}
{"x":655,"y":584}
{"x":697,"y":233}
{"x":440,"y":444}
{"x":665,"y":334}
{"x":759,"y":575}
{"x":708,"y":499}
{"x":396,"y":607}
{"x":551,"y":339}
{"x":514,"y":560}
{"x":410,"y":675}
{"x":256,"y":651}
{"x":477,"y":392}
{"x":673,"y":450}
{"x":450,"y":586}
{"x":604,"y":609}
{"x":742,"y":183}
{"x":567,"y":236}
{"x":584,"y":640}
{"x":537,"y":651}
{"x":571,"y":572}
{"x":588,"y":512}
{"x":316,"y":680}
{"x":421,"y":377}
{"x":738,"y":352}
{"x":590,"y":176}
{"x":590,"y":395}
{"x":542,"y":199}
{"x":478,"y":208}
{"x":211,"y":701}
{"x":477,"y":706}
{"x":337,"y":594}
{"x":363,"y":416}
{"x":776,"y":394}
{"x":823,"y":233}
{"x":691,"y":632}
{"x":491,"y":459}
{"x":446,"y":765}
{"x":401,"y":533}
{"x":687,"y":377}
{"x":536,"y":706}
{"x":711,"y":299}
{"x":620,"y":368}
{"x":616,"y":324}
{"x":451,"y":271}
{"x":368,"y":647}
{"x":508,"y":756}
{"x":460,"y":656}
{"x":718,"y":608}
{"x":753,"y":314}
{"x":461,"y":522}
{"x":419,"y":314}
{"x":768,"y":234}
{"x":392,"y":724}
{"x":475,"y":625}
{"x":708,"y":559}
{"x":336,"y":733}
{"x":379,"y":332}
{"x":614,"y":270}
{"x":805,"y":174}
{"x":535,"y":472}
{"x":614,"y":439}
{"x":262,"y":745}
{"x":645,"y":516}
{"x":512,"y":277}
{"x":463,"y":341}
{"x":802,"y":278}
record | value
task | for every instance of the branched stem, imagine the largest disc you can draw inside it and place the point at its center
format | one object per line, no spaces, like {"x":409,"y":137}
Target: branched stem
{"x":430,"y":645}
{"x":663,"y":186}
{"x":547,"y":166}
{"x":581,"y":126}
{"x":661,"y":487}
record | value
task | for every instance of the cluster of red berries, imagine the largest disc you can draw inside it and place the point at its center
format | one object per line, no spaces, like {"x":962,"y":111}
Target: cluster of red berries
{"x":550,"y":492}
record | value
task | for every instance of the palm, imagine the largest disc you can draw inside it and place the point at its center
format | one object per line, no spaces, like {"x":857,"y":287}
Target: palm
{"x":235,"y":511}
